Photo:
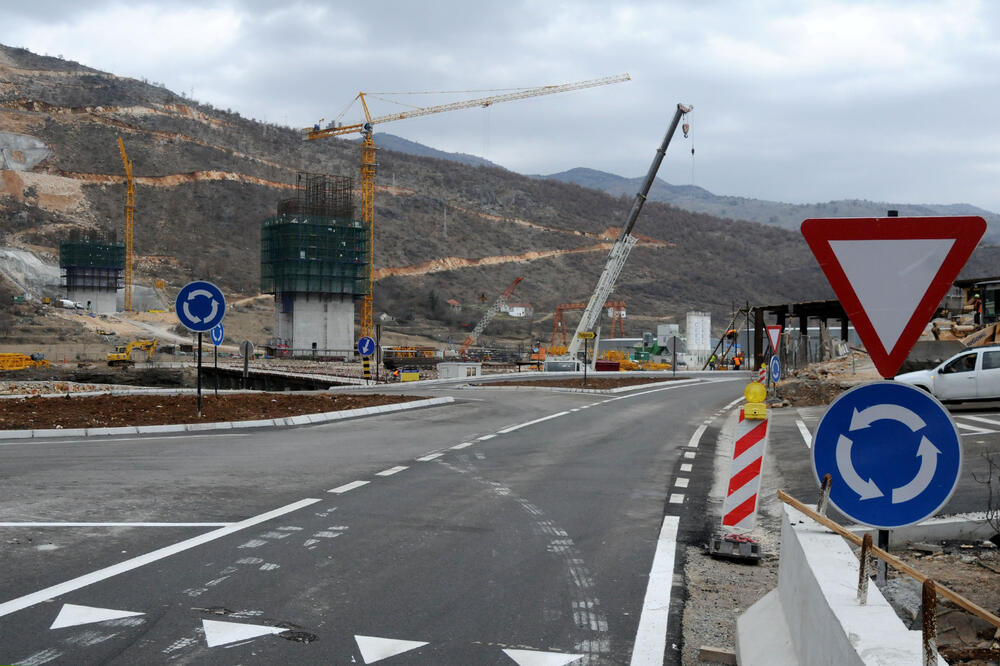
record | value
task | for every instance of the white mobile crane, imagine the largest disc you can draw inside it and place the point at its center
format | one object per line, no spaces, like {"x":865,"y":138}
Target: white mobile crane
{"x":626,"y":241}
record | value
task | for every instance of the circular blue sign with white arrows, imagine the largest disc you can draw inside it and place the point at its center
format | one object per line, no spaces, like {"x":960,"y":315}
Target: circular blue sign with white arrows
{"x":200,"y":306}
{"x":366,"y":346}
{"x":775,"y":368}
{"x":893,"y":452}
{"x":218,"y":333}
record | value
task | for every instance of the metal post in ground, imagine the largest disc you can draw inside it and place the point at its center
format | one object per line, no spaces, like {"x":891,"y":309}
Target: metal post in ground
{"x":216,"y":347}
{"x":883,"y":568}
{"x":199,"y":374}
{"x":824,"y":494}
{"x":866,"y":549}
{"x":928,"y":615}
{"x":674,"y":364}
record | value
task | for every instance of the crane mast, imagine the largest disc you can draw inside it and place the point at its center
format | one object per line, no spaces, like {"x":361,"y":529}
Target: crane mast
{"x":626,"y":241}
{"x":129,"y":215}
{"x":488,"y":317}
{"x":368,"y":164}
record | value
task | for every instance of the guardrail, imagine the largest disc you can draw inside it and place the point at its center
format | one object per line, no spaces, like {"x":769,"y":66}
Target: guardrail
{"x":931,"y":589}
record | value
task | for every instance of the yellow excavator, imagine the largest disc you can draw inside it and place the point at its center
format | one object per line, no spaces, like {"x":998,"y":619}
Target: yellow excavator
{"x":122,"y":355}
{"x":22,"y":361}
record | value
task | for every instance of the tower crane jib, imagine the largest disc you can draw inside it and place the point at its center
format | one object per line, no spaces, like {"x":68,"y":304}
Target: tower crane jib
{"x":368,"y":164}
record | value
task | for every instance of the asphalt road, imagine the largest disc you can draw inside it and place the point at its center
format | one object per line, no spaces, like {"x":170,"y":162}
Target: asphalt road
{"x":513,"y":526}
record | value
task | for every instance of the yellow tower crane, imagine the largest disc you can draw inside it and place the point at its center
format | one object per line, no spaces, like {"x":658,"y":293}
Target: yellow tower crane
{"x":368,"y":163}
{"x":129,"y":215}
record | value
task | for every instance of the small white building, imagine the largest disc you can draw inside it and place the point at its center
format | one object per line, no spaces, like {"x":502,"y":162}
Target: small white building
{"x":459,"y":370}
{"x":517,"y":309}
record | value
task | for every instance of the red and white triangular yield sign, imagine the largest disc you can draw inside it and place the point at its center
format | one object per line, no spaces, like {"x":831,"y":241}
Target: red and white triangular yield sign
{"x":774,"y":335}
{"x":891,"y":273}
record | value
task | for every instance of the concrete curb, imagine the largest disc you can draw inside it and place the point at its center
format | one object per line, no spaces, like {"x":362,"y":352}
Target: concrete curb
{"x":957,"y":527}
{"x":303,"y":419}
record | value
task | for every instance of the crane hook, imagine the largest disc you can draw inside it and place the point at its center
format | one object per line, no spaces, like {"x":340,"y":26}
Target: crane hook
{"x":686,"y":127}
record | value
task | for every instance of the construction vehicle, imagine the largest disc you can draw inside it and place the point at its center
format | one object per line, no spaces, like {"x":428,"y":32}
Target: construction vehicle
{"x":411,"y":356}
{"x":616,"y":310}
{"x":368,"y":164}
{"x":471,"y":338}
{"x":129,"y":215}
{"x":122,"y":356}
{"x":15,"y":361}
{"x":623,"y":245}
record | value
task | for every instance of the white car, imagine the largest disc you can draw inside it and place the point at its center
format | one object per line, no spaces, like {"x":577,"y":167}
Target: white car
{"x":973,"y":374}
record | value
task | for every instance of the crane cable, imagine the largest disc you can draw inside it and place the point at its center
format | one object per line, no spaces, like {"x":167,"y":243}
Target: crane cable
{"x":686,"y":128}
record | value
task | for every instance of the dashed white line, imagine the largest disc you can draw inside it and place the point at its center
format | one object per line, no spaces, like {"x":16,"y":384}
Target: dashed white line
{"x":686,"y":467}
{"x":528,"y":423}
{"x":733,"y":403}
{"x":677,"y":498}
{"x":391,"y":471}
{"x":651,"y":637}
{"x":430,"y":456}
{"x":690,"y":455}
{"x":682,"y":482}
{"x":339,"y":490}
{"x":484,"y":438}
{"x":462,"y":445}
{"x":27,"y":600}
{"x":805,"y":432}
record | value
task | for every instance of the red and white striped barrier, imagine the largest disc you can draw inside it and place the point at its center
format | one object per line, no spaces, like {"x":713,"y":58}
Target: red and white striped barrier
{"x":762,"y":375}
{"x":739,"y":511}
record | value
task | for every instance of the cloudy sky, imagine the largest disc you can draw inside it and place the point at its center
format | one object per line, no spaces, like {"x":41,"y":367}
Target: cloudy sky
{"x":794,"y":101}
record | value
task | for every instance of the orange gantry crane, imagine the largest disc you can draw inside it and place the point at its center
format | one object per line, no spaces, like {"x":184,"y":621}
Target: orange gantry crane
{"x":129,"y":215}
{"x":617,"y":312}
{"x":368,"y":164}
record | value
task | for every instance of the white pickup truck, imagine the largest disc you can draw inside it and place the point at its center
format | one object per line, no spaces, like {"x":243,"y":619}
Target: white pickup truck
{"x":973,"y":374}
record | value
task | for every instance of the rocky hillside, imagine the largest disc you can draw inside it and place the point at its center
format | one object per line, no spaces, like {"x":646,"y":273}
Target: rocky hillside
{"x":206,"y":178}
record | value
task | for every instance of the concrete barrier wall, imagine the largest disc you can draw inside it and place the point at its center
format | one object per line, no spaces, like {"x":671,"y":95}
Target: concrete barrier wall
{"x":814,"y":616}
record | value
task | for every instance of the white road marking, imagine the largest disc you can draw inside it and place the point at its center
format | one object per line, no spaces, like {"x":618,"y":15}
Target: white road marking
{"x":677,"y":498}
{"x":339,"y":490}
{"x":575,"y":409}
{"x":651,"y":637}
{"x":686,"y":467}
{"x":981,"y":419}
{"x":733,"y":403}
{"x":462,"y":445}
{"x":429,"y":457}
{"x":375,"y":649}
{"x":115,"y":524}
{"x":805,"y":432}
{"x":28,"y":600}
{"x":690,"y":455}
{"x":681,"y":482}
{"x":536,"y":658}
{"x":485,"y":437}
{"x":220,"y":633}
{"x":696,"y":437}
{"x":973,"y":430}
{"x":392,"y":470}
{"x":528,"y":423}
{"x":72,"y":615}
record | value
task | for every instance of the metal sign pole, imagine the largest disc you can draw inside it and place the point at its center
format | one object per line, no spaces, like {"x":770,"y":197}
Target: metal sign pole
{"x":586,"y":346}
{"x":378,"y":353}
{"x":216,"y":370}
{"x":199,"y":374}
{"x":674,"y":364}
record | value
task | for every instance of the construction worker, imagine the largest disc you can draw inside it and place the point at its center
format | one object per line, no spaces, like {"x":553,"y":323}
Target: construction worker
{"x":977,"y":309}
{"x":711,"y":362}
{"x":736,"y":362}
{"x":395,"y":374}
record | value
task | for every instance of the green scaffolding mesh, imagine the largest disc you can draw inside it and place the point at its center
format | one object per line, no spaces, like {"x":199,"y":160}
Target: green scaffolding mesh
{"x":91,"y":263}
{"x":312,"y":253}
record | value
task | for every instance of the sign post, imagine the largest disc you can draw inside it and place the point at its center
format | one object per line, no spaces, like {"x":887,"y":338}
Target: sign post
{"x":586,"y":336}
{"x":366,"y":347}
{"x":200,"y":307}
{"x":246,"y":349}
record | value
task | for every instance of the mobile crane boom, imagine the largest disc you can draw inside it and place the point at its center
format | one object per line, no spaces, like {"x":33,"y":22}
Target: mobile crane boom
{"x":471,"y":338}
{"x":368,"y":164}
{"x":626,"y":241}
{"x":129,"y":215}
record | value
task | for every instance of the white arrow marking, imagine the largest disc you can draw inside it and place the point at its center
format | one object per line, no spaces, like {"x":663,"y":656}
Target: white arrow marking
{"x":928,"y":465}
{"x":220,"y":633}
{"x":535,"y":658}
{"x":868,"y":416}
{"x":375,"y":649}
{"x":866,"y":489}
{"x":190,"y":316}
{"x":215,"y":310}
{"x":71,"y":615}
{"x":199,"y":292}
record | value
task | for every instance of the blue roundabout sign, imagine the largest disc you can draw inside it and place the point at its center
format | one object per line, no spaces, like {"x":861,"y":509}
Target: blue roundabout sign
{"x":200,"y":306}
{"x":774,"y":367}
{"x":893,"y":452}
